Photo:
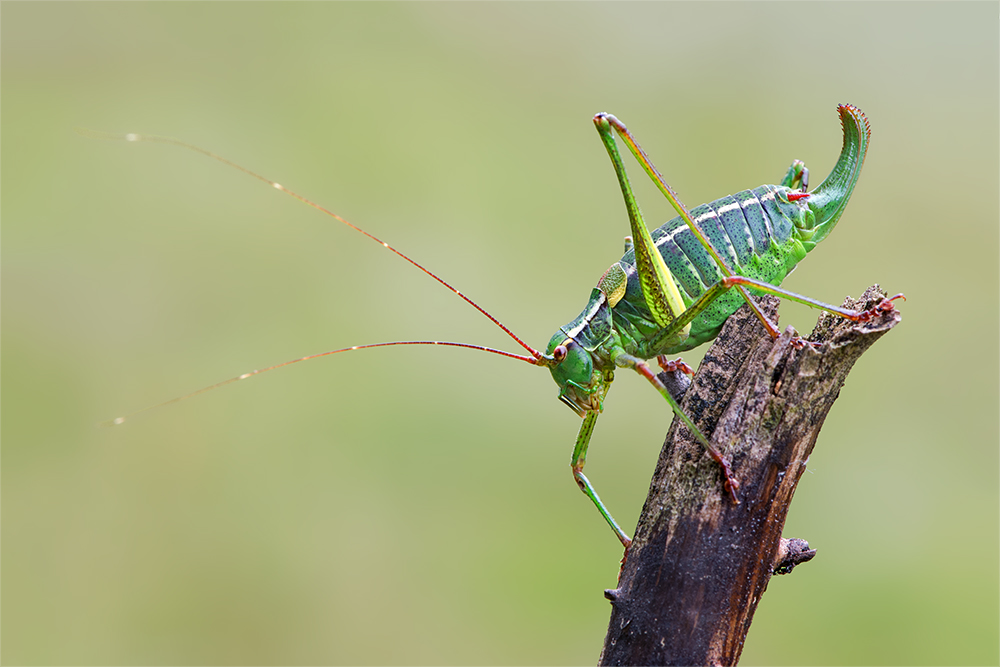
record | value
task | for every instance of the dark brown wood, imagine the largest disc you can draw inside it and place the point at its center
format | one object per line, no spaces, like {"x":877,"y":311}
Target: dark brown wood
{"x":699,"y":563}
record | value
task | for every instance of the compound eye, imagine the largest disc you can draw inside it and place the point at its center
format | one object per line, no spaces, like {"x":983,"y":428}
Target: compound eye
{"x":559,"y":353}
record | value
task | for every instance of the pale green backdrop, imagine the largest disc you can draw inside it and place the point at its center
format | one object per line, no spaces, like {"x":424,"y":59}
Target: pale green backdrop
{"x":414,"y":505}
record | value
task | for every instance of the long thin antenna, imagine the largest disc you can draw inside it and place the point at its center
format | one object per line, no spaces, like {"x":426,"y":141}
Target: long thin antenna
{"x":244,"y":376}
{"x":97,"y":134}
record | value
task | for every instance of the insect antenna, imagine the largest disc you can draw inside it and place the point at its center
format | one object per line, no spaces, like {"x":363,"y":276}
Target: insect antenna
{"x":536,"y":358}
{"x":244,"y":376}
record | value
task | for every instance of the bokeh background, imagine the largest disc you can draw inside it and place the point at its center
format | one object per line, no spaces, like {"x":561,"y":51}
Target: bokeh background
{"x":414,"y":505}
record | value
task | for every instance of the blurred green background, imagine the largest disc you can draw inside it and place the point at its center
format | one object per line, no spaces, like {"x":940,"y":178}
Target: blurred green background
{"x":414,"y":505}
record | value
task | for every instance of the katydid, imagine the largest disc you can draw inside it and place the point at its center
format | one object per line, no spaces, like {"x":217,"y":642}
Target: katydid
{"x":671,"y":291}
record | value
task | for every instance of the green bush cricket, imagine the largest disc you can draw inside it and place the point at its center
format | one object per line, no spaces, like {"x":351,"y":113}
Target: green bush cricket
{"x":671,"y":291}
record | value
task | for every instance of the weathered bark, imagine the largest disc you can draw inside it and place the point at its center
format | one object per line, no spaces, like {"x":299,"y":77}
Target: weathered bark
{"x":699,"y":563}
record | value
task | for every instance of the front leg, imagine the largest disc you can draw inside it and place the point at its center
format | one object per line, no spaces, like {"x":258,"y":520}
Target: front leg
{"x":579,"y":460}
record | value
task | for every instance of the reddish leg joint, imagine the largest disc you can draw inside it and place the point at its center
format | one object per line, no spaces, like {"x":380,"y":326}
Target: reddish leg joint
{"x":800,"y":343}
{"x":795,"y":196}
{"x":883,"y":306}
{"x":730,"y":484}
{"x":676,"y":365}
